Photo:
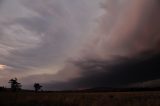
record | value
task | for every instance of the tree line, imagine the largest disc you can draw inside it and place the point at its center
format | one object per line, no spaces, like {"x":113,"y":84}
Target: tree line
{"x":16,"y":86}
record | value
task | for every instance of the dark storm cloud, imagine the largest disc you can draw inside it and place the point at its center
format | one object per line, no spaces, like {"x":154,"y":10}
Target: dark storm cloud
{"x":136,"y":40}
{"x":122,"y":73}
{"x":124,"y":50}
{"x":126,"y":72}
{"x":61,"y":44}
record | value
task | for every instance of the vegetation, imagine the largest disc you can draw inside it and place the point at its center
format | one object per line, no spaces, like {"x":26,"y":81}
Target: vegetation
{"x":15,"y":85}
{"x":90,"y":97}
{"x":37,"y":87}
{"x":80,"y":99}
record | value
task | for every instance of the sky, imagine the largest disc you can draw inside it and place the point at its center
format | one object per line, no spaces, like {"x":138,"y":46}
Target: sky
{"x":78,"y":44}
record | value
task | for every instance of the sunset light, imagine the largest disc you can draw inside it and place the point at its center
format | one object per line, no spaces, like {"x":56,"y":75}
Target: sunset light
{"x":2,"y":67}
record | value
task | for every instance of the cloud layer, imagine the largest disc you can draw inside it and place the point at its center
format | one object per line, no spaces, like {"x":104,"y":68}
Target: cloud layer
{"x":123,"y":50}
{"x":38,"y":36}
{"x":71,"y":44}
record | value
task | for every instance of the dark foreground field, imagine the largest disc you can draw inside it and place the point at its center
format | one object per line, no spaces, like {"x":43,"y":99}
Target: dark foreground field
{"x":80,"y":99}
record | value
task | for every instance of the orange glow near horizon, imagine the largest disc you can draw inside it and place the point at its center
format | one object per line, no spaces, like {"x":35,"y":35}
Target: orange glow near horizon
{"x":2,"y":67}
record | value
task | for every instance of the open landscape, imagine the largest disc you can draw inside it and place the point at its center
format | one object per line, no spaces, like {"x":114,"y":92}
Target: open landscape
{"x":147,"y":98}
{"x":79,"y":52}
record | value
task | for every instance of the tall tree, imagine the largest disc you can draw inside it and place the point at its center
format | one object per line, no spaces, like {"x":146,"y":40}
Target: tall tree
{"x":15,"y":85}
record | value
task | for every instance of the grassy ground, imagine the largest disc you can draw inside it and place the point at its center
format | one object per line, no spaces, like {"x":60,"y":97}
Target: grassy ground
{"x":80,"y":99}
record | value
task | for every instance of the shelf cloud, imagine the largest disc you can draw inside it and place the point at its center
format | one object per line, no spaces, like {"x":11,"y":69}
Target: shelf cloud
{"x":72,"y":44}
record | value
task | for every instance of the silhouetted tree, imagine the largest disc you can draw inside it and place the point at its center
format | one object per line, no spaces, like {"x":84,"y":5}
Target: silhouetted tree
{"x":37,"y":87}
{"x":15,"y":85}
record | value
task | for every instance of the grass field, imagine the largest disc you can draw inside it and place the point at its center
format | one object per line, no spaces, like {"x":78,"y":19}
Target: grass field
{"x":80,"y":99}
